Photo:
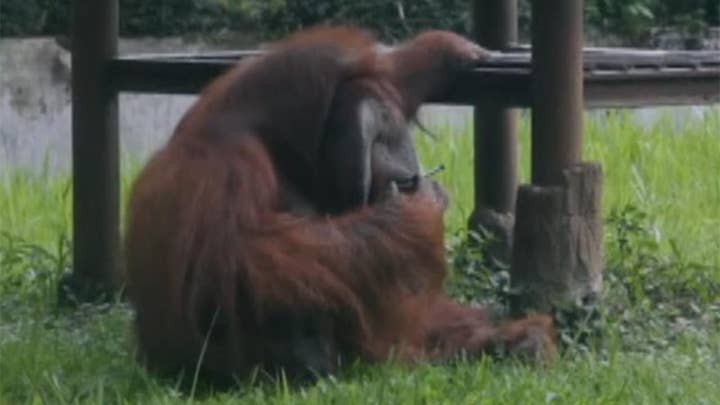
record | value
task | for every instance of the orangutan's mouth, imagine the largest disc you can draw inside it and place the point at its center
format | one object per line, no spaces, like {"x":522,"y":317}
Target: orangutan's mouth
{"x":409,"y":184}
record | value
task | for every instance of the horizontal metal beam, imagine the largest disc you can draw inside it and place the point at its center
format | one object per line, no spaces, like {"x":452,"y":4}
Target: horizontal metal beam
{"x":504,"y":80}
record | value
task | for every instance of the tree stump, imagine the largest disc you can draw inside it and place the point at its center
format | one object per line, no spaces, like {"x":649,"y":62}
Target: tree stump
{"x":557,"y":250}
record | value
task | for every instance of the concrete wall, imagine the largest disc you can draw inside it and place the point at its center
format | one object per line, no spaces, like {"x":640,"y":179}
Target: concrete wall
{"x":35,"y":108}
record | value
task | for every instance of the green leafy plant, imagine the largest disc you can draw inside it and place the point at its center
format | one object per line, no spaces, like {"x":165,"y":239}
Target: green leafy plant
{"x":474,"y":278}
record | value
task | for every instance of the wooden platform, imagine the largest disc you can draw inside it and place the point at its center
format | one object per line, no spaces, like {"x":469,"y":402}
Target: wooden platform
{"x":614,"y":77}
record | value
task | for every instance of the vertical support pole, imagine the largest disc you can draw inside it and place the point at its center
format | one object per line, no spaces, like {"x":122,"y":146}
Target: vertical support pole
{"x":557,"y":110}
{"x":557,"y":258}
{"x":495,"y":136}
{"x":96,"y":233}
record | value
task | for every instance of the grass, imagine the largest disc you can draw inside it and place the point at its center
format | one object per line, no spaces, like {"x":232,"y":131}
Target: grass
{"x":660,"y":318}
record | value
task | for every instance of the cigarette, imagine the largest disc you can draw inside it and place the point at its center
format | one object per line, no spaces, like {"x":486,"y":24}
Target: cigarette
{"x":435,"y":171}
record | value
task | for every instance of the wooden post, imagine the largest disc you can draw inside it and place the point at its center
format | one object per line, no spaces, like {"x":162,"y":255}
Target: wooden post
{"x":96,"y":233}
{"x":557,"y":110}
{"x":557,"y":256}
{"x":495,"y":137}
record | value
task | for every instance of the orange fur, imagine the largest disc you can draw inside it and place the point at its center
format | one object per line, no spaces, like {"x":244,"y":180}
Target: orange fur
{"x":213,"y":255}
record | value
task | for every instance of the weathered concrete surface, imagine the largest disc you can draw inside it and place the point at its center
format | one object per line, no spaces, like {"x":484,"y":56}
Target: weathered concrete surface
{"x":35,"y":106}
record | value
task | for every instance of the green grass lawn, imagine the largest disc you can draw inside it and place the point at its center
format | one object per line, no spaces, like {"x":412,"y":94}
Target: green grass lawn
{"x":655,"y":336}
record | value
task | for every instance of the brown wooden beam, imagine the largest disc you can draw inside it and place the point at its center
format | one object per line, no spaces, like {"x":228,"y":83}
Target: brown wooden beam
{"x":602,"y":89}
{"x":165,"y":76}
{"x":557,"y":258}
{"x":96,"y":235}
{"x":495,"y":26}
{"x":495,"y":137}
{"x":656,"y":88}
{"x":557,"y":119}
{"x":504,"y":85}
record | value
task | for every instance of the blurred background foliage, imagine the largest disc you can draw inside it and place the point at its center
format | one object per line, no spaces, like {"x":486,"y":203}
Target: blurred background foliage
{"x":631,"y":20}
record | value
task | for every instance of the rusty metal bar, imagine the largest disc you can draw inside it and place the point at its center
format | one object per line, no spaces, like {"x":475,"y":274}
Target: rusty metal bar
{"x":95,"y":149}
{"x":495,"y":138}
{"x":557,"y":94}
